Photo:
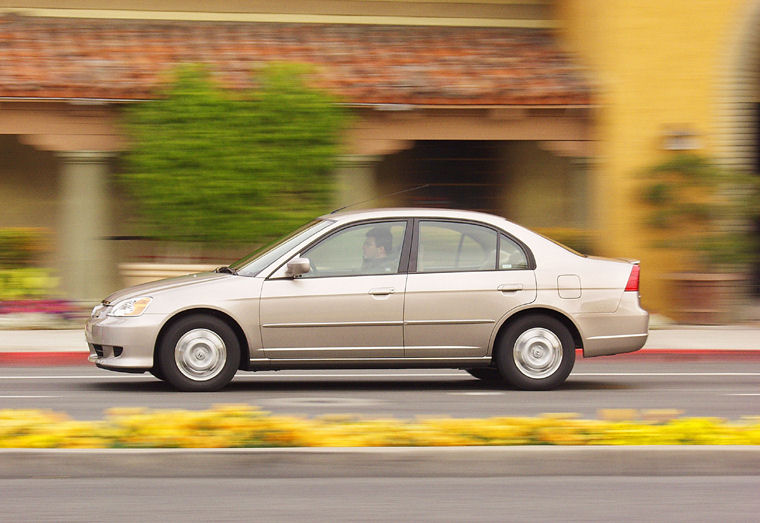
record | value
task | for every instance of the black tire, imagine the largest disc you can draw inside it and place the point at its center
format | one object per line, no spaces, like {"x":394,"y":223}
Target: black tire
{"x":536,"y":352}
{"x":487,"y":374}
{"x":199,"y":353}
{"x":157,"y":373}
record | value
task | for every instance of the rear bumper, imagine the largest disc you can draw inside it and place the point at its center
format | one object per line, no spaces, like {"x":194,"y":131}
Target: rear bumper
{"x":625,"y":330}
{"x":606,"y":345}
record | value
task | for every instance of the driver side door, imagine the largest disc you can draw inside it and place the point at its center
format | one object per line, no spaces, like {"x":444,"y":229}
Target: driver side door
{"x":341,"y":309}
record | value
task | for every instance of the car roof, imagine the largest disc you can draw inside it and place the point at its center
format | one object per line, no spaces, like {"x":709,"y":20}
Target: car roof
{"x":412,"y":212}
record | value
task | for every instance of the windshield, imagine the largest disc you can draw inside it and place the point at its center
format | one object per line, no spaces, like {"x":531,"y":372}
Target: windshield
{"x":261,"y":258}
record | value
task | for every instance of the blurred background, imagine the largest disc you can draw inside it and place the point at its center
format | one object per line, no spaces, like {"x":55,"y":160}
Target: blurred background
{"x":139,"y":142}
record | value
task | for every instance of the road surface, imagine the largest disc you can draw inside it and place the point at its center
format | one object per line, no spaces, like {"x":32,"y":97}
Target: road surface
{"x":559,"y":498}
{"x":722,"y":387}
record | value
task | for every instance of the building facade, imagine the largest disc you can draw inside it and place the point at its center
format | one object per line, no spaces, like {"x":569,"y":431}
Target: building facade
{"x":669,"y":77}
{"x":543,"y":111}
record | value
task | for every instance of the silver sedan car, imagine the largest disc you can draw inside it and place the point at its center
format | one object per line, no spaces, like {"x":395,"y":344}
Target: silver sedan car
{"x":385,"y":288}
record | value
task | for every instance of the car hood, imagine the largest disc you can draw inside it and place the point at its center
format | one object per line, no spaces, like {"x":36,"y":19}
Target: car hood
{"x":154,"y":287}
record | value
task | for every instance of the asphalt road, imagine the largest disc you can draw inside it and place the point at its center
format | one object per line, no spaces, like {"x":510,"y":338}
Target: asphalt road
{"x":558,"y":498}
{"x":722,"y":387}
{"x":698,"y":386}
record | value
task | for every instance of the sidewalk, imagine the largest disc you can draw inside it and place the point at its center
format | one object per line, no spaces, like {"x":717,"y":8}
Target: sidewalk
{"x":672,"y":338}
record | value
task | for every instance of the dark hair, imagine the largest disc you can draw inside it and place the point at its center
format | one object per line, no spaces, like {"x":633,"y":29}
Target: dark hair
{"x":383,"y":238}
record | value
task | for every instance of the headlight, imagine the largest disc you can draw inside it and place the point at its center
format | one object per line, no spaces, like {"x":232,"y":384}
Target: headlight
{"x":131,"y":307}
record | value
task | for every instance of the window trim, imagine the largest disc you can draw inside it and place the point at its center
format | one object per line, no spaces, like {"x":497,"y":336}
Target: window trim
{"x":416,"y":239}
{"x":403,"y":265}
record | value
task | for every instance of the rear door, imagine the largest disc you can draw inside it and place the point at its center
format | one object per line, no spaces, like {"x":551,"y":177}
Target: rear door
{"x":464,"y":277}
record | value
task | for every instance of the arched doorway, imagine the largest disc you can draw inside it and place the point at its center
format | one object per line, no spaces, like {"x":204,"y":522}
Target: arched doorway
{"x":528,"y":181}
{"x":462,"y":174}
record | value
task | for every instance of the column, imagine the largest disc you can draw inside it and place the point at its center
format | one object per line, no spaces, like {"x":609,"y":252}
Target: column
{"x":87,"y":270}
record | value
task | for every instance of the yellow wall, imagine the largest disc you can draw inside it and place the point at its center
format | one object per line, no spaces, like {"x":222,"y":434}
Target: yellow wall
{"x":654,"y":64}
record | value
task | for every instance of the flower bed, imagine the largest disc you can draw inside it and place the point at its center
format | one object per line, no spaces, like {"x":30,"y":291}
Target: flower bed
{"x":39,"y":314}
{"x":60,"y":308}
{"x":245,"y":426}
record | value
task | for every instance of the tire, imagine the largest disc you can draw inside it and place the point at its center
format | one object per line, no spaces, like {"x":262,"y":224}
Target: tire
{"x":488,"y":374}
{"x":157,"y":373}
{"x":536,"y":353}
{"x":199,"y":353}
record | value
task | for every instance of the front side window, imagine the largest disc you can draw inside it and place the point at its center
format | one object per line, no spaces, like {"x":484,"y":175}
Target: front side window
{"x":370,"y":248}
{"x":451,"y":246}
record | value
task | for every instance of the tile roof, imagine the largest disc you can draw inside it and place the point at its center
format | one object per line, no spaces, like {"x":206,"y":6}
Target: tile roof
{"x":127,"y":59}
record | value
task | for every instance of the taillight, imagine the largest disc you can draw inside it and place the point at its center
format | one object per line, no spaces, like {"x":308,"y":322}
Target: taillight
{"x":633,"y":280}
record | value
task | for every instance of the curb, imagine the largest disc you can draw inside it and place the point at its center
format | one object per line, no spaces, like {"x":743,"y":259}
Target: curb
{"x":678,"y":460}
{"x":676,"y":354}
{"x":43,"y":358}
{"x":63,"y":358}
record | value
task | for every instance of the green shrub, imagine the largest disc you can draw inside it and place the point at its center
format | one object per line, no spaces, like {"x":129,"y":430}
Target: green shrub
{"x":26,"y":282}
{"x":215,"y":166}
{"x":21,"y":247}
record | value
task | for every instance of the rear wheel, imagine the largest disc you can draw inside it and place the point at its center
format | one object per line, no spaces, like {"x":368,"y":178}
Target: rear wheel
{"x":536,"y":353}
{"x":199,"y":353}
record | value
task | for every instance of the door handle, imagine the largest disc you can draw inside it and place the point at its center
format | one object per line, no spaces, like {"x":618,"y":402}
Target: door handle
{"x":510,"y":287}
{"x":382,"y":291}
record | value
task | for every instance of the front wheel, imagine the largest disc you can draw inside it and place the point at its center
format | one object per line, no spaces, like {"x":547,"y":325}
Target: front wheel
{"x":199,"y":353}
{"x":536,"y":353}
{"x":157,"y":373}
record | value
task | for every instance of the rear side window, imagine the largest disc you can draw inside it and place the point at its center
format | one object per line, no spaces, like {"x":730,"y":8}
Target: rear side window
{"x":451,"y":246}
{"x":511,"y":256}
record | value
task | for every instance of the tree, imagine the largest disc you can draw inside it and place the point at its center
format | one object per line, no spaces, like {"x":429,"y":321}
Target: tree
{"x":215,"y":166}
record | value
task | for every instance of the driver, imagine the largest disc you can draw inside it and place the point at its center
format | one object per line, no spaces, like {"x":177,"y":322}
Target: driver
{"x":375,"y":250}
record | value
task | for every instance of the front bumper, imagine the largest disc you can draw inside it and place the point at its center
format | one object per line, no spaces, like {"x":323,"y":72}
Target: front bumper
{"x":123,"y":343}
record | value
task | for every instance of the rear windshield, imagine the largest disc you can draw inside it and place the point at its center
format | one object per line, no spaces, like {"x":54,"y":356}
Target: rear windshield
{"x":555,"y":242}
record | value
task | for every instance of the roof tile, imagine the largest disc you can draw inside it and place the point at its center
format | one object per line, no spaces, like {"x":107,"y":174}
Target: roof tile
{"x":125,"y":59}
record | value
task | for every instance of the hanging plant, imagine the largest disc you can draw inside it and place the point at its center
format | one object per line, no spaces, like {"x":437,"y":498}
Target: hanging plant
{"x":705,"y":211}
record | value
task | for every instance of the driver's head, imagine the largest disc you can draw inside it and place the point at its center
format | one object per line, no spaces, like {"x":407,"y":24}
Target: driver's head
{"x":378,"y":243}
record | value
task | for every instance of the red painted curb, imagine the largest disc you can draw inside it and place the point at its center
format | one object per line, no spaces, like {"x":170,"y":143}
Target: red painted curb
{"x":48,"y":358}
{"x":698,"y":351}
{"x":685,"y":354}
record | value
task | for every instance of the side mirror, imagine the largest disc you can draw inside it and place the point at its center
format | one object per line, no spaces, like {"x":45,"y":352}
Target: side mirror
{"x":297,"y":267}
